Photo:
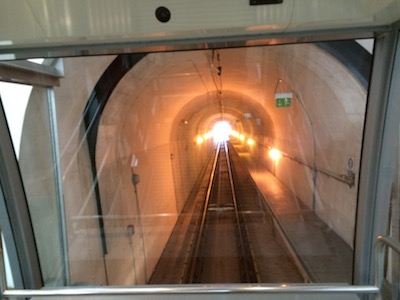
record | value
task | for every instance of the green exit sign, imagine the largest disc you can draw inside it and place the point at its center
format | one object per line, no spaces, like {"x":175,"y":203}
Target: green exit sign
{"x":283,"y":99}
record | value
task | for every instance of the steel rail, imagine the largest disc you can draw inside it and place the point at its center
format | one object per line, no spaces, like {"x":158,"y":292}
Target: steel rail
{"x":281,"y":232}
{"x":192,"y":267}
{"x":238,"y":221}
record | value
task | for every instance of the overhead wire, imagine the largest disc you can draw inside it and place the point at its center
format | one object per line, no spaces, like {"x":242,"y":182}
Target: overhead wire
{"x":216,"y":75}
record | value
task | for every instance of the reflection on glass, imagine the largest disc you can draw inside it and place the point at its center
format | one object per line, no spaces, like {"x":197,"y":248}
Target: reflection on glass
{"x":29,"y":122}
{"x":7,"y":267}
{"x":38,"y":61}
{"x":15,"y":98}
{"x":150,"y":222}
{"x":392,"y":267}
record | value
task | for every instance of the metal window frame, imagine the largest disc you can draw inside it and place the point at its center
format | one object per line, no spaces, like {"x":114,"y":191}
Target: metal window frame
{"x":46,"y":76}
{"x":58,"y":182}
{"x":15,"y":214}
{"x":181,"y":43}
{"x":26,"y":72}
{"x":378,"y":153}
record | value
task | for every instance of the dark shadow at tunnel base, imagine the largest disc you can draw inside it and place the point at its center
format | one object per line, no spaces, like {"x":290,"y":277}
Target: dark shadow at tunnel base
{"x":171,"y":265}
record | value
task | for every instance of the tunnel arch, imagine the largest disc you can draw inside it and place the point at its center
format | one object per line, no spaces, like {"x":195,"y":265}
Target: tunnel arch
{"x":197,"y":117}
{"x":254,"y":119}
{"x":142,"y":113}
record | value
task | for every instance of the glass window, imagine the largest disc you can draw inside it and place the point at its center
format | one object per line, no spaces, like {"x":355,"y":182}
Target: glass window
{"x":38,"y":61}
{"x":7,"y":268}
{"x":28,"y":115}
{"x":392,"y":267}
{"x":137,"y":148}
{"x":15,"y":112}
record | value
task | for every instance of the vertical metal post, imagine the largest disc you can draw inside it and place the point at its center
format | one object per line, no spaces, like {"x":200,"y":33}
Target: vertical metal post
{"x":3,"y":282}
{"x":58,"y":182}
{"x":6,"y":231}
{"x":16,"y":210}
{"x":378,"y":154}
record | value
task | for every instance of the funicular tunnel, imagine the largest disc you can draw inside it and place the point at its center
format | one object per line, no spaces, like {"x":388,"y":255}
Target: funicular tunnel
{"x":132,"y":132}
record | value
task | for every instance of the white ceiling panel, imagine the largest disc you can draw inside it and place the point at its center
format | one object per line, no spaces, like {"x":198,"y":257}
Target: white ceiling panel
{"x":17,"y":23}
{"x":327,"y":14}
{"x":26,"y":24}
{"x":136,"y":18}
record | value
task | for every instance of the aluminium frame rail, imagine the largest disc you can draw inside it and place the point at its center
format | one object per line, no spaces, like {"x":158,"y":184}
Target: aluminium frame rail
{"x":382,"y":244}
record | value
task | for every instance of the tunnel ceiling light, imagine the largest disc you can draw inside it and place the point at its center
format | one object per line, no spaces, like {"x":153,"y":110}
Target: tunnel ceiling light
{"x":250,"y":142}
{"x":200,"y":140}
{"x":235,"y":134}
{"x":274,"y":154}
{"x":241,"y":137}
{"x":247,"y":115}
{"x":208,"y":135}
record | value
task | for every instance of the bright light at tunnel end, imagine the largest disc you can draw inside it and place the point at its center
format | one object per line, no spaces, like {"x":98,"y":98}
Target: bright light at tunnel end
{"x":221,"y":131}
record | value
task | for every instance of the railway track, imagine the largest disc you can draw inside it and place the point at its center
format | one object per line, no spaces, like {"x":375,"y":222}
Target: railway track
{"x":225,"y":233}
{"x":222,"y":251}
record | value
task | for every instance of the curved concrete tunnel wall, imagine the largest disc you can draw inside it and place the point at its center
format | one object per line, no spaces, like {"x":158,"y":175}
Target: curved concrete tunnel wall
{"x":322,"y":129}
{"x":197,"y":118}
{"x":145,"y":117}
{"x":142,"y":112}
{"x":329,"y":117}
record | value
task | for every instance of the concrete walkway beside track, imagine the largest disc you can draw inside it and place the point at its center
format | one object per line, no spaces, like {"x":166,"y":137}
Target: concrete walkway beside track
{"x":324,"y":256}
